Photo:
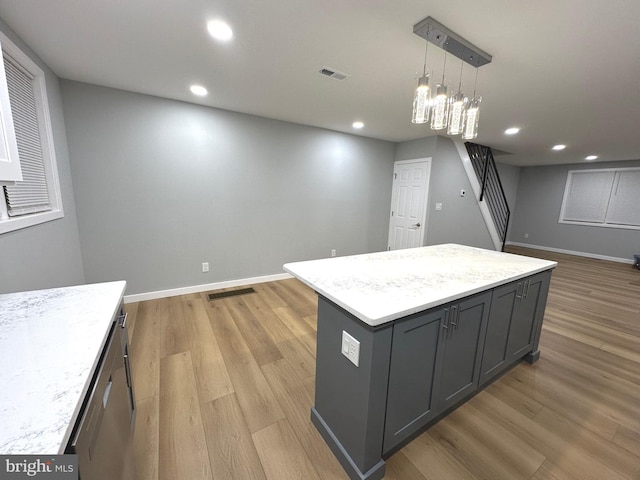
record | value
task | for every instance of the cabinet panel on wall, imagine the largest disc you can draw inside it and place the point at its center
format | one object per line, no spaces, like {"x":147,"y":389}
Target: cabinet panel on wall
{"x":410,"y":402}
{"x":460,"y":350}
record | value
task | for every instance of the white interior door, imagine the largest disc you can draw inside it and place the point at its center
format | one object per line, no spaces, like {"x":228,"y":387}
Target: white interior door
{"x":407,"y":224}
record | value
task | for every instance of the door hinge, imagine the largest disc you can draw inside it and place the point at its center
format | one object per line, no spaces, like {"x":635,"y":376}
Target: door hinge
{"x":392,"y":213}
{"x":395,"y":175}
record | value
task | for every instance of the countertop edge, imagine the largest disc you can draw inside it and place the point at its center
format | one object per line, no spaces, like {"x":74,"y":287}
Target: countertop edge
{"x":85,"y":389}
{"x":378,"y":321}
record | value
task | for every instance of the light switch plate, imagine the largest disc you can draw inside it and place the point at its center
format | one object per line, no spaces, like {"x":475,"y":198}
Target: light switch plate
{"x":438,"y":206}
{"x":351,"y":348}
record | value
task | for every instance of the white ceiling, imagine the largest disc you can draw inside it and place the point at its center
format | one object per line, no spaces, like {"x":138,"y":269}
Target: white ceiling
{"x":565,"y":71}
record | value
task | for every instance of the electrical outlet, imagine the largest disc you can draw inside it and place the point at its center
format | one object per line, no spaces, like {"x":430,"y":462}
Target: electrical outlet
{"x":205,"y":267}
{"x":351,"y":348}
{"x":438,"y":206}
{"x":333,"y":252}
{"x":463,"y":193}
{"x":526,"y":235}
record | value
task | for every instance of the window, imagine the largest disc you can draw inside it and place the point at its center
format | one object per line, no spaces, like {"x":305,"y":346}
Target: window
{"x":603,"y":198}
{"x":35,"y":199}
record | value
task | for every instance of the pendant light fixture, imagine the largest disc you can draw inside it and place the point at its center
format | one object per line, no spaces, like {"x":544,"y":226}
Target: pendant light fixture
{"x":440,"y":103}
{"x":457,"y":109}
{"x":421,"y":95}
{"x":472,"y":115}
{"x":458,"y":113}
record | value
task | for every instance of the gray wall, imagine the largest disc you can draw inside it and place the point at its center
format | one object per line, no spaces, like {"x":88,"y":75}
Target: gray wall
{"x":163,"y":186}
{"x":540,"y":193}
{"x":460,"y":220}
{"x":45,"y":255}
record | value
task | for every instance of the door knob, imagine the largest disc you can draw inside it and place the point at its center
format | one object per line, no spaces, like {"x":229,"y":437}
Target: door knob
{"x":416,"y":225}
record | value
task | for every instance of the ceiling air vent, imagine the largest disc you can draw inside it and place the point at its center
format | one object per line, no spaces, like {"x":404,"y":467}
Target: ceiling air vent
{"x":333,"y":73}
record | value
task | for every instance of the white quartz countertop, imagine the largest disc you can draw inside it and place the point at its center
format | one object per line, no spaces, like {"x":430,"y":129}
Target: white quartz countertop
{"x":50,"y":341}
{"x":385,"y":286}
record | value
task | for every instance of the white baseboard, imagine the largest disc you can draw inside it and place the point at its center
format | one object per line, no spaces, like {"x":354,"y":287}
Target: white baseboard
{"x":573,"y":252}
{"x":140,"y":297}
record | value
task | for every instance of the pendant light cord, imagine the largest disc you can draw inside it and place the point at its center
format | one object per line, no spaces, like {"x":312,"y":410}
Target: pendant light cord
{"x":426,"y":49}
{"x":444,"y":67}
{"x":475,"y":83}
{"x":460,"y":83}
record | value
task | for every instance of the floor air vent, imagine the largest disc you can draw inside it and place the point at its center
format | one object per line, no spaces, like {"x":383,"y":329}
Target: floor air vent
{"x":230,"y":293}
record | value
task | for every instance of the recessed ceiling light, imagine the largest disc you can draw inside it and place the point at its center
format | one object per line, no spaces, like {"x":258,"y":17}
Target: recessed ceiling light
{"x":219,"y":30}
{"x":512,"y":130}
{"x":198,"y":90}
{"x":357,"y":124}
{"x":559,"y":147}
{"x":591,"y":157}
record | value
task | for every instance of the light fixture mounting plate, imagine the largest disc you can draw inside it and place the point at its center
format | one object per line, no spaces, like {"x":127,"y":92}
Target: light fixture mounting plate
{"x":436,"y":33}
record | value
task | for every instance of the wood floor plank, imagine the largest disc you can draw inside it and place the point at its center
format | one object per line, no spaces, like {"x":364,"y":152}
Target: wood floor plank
{"x":258,"y":403}
{"x":296,"y":295}
{"x":435,"y":459}
{"x":493,"y":450}
{"x":231,"y":449}
{"x":549,"y":443}
{"x":291,"y":347}
{"x":296,"y":403}
{"x":182,"y":446}
{"x":629,"y":439}
{"x":298,"y":327}
{"x":260,"y":344}
{"x":282,"y":456}
{"x":145,"y":350}
{"x":594,"y":445}
{"x":173,"y":338}
{"x":146,"y":438}
{"x":212,"y":377}
{"x":399,"y":467}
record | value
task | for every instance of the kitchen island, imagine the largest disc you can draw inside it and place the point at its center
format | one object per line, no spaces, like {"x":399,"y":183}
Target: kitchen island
{"x":406,"y":336}
{"x":65,"y":371}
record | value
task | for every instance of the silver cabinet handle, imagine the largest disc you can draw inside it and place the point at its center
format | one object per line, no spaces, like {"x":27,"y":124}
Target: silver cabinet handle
{"x":127,"y":371}
{"x":518,"y":292}
{"x":525,"y":290}
{"x":124,"y":320}
{"x":454,"y":317}
{"x":445,"y":319}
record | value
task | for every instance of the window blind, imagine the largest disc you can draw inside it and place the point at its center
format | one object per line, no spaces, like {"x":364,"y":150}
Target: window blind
{"x":30,"y":195}
{"x":624,"y":206}
{"x":606,"y":198}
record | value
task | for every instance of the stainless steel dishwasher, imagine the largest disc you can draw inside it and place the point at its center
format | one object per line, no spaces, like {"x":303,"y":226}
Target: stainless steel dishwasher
{"x":103,"y":438}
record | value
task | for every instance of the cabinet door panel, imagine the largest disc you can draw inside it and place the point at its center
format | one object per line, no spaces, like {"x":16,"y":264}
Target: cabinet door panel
{"x":494,"y":356}
{"x":461,"y":349}
{"x":522,"y":325}
{"x":411,"y":374}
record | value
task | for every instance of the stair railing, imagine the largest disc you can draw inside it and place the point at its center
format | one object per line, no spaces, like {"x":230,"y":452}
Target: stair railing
{"x":491,"y":190}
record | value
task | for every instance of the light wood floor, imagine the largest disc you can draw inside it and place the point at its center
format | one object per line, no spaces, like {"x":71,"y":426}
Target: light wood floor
{"x":224,"y":390}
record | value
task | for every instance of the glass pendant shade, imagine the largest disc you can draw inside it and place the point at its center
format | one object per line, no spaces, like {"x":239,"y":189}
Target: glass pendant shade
{"x":440,"y":108}
{"x":472,"y":115}
{"x":421,"y":101}
{"x":456,"y":113}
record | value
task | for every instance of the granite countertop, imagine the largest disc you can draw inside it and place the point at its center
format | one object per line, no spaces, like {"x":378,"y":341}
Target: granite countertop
{"x":50,"y":341}
{"x":381,"y":287}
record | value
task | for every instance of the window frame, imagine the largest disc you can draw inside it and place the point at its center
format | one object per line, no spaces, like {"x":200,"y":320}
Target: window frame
{"x":614,"y":184}
{"x":9,"y":224}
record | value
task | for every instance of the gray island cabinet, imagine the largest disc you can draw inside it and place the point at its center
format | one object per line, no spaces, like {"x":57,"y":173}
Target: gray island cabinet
{"x":406,"y":336}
